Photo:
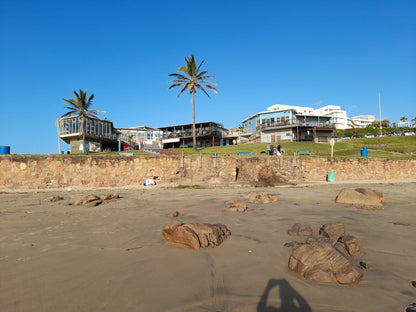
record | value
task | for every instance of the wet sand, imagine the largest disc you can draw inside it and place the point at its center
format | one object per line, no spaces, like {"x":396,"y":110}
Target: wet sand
{"x":55,"y":257}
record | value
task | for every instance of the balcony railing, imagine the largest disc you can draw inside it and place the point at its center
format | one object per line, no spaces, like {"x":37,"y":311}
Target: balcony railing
{"x":320,"y":124}
{"x":188,"y":133}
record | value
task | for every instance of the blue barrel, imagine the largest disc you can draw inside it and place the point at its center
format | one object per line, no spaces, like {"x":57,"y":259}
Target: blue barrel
{"x":331,"y":176}
{"x":4,"y":150}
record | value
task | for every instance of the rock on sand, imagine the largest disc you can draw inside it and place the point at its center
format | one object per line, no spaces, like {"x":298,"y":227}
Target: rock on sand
{"x":195,"y":235}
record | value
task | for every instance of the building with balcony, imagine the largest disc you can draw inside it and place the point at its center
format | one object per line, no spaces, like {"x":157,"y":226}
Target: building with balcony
{"x":286,"y":124}
{"x":138,"y":137}
{"x":207,"y":134}
{"x":99,"y":134}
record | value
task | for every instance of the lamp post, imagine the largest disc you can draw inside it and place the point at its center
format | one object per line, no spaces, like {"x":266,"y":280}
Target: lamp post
{"x":379,"y":108}
{"x":59,"y":139}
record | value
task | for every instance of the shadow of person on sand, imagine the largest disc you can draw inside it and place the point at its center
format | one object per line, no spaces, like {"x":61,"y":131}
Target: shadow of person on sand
{"x":291,"y":300}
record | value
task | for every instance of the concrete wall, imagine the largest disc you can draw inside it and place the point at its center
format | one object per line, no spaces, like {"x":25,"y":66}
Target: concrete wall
{"x":40,"y":172}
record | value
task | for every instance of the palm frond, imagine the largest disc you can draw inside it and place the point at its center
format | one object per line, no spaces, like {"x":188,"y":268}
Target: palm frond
{"x":175,"y":85}
{"x":183,"y":89}
{"x":212,"y":88}
{"x":197,"y":70}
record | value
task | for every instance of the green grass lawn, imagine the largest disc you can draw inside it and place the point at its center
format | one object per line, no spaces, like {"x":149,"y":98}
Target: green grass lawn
{"x":388,"y":147}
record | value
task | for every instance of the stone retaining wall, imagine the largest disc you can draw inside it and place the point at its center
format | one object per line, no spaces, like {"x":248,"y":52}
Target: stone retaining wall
{"x":56,"y":171}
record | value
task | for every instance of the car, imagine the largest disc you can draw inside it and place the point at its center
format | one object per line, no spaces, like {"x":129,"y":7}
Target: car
{"x":346,"y":137}
{"x":380,"y":135}
{"x":408,"y":133}
{"x":356,"y":137}
{"x":368,"y":135}
{"x":393,"y":133}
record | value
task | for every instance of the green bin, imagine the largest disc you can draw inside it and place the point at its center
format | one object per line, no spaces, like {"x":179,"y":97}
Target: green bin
{"x":331,"y":176}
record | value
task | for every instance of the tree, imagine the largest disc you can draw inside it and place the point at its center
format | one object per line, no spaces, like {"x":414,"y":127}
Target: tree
{"x":403,"y":119}
{"x":80,"y":107}
{"x":192,"y":79}
{"x":376,"y":124}
{"x":414,"y":121}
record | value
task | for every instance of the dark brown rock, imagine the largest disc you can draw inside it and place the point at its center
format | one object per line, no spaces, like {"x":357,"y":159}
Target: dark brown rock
{"x":348,"y":196}
{"x":293,"y":244}
{"x":332,"y":230}
{"x":110,"y":197}
{"x":411,"y":307}
{"x":322,"y":263}
{"x":174,"y":214}
{"x":195,"y":235}
{"x":89,"y":201}
{"x":260,"y":198}
{"x":54,"y":199}
{"x":300,"y":230}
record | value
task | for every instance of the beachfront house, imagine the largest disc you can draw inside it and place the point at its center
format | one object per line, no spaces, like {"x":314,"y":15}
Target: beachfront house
{"x":99,"y":134}
{"x":207,"y":134}
{"x":287,"y":124}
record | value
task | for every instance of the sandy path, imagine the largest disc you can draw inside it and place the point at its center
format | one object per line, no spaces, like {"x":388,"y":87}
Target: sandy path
{"x":55,"y":257}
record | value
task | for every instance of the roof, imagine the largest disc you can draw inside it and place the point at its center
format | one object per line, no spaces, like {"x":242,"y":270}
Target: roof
{"x":270,"y":112}
{"x":197,"y":123}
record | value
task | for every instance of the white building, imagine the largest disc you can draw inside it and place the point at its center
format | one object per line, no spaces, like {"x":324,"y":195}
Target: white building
{"x":299,"y":109}
{"x":361,"y":121}
{"x":338,"y":116}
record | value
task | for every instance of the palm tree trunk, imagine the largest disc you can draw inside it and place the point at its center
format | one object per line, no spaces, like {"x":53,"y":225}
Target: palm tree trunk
{"x":193,"y":121}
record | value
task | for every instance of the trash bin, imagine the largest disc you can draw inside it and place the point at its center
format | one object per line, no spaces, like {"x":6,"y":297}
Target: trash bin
{"x":331,"y":176}
{"x":4,"y":150}
{"x":364,"y":152}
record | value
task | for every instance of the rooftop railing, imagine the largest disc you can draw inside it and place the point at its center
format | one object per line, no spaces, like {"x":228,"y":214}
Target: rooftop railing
{"x":188,"y":133}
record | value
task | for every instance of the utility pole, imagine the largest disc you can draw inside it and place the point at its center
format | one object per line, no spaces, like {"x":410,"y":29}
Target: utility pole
{"x":379,"y":108}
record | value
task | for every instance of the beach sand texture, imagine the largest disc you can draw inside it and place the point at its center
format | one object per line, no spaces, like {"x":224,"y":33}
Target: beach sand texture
{"x":56,"y":257}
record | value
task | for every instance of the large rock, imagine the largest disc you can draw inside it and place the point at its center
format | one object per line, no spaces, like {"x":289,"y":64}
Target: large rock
{"x":377,"y":196}
{"x":354,"y":197}
{"x":260,"y":198}
{"x":332,"y":230}
{"x":300,"y":230}
{"x":320,"y":262}
{"x":89,"y":201}
{"x":195,"y":235}
{"x":236,"y":206}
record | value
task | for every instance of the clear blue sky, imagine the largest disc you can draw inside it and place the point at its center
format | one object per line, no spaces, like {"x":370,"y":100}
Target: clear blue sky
{"x":306,"y":53}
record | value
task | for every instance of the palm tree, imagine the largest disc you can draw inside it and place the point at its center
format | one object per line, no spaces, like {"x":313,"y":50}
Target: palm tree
{"x":80,"y":107}
{"x":192,"y":79}
{"x":414,"y":121}
{"x":404,"y":119}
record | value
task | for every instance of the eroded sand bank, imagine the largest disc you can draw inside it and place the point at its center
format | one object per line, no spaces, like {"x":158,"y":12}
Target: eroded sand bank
{"x":55,"y":257}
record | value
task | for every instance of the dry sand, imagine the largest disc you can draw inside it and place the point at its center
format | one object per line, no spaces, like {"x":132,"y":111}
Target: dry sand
{"x":55,"y":257}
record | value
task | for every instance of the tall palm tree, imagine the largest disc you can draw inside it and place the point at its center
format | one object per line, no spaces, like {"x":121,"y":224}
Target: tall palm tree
{"x":80,"y":107}
{"x":192,"y":79}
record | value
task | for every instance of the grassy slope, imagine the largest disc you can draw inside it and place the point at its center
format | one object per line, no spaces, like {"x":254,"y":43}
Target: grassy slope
{"x":389,"y":147}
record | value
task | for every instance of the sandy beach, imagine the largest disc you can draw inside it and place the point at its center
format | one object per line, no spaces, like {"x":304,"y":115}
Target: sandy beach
{"x":60,"y":257}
